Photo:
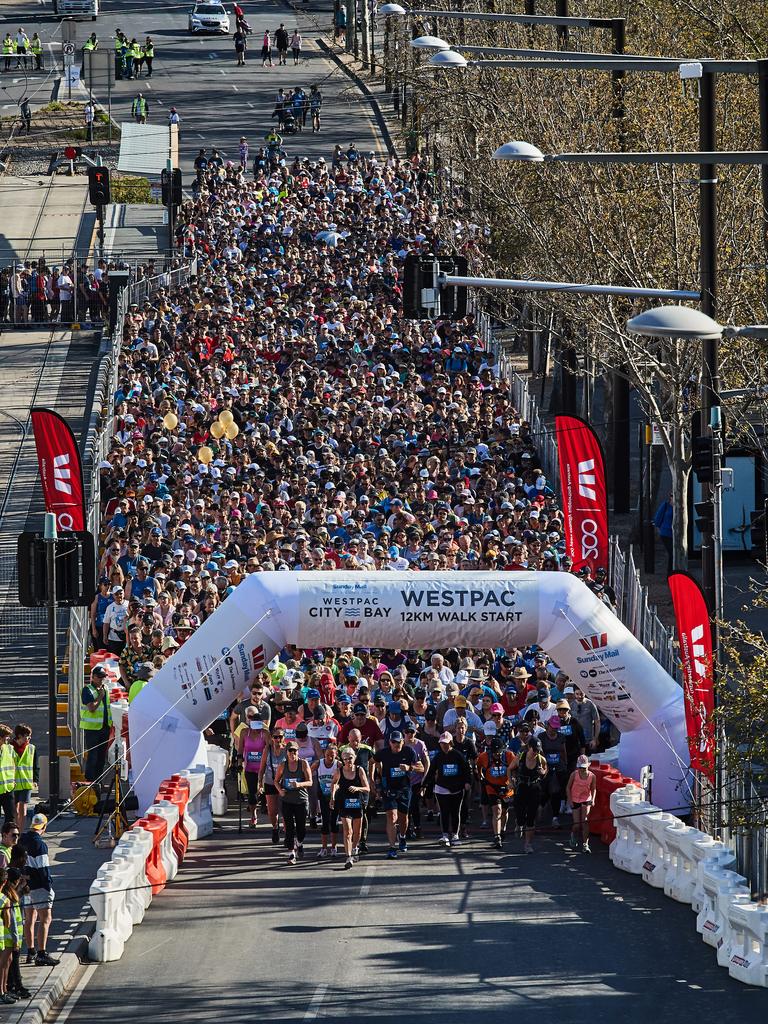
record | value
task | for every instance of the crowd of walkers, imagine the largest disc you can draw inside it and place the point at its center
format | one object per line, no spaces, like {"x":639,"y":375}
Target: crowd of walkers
{"x":278,"y":413}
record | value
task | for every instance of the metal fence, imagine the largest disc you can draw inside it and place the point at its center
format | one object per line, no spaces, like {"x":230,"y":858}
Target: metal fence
{"x":632,"y":605}
{"x":97,"y":445}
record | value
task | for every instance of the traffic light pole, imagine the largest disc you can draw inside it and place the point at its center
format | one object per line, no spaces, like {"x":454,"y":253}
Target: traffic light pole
{"x":51,"y":538}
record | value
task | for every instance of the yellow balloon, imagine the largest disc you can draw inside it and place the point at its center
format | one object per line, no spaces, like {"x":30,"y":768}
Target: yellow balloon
{"x":226,"y":417}
{"x":170,"y":421}
{"x":217,"y":430}
{"x":232,"y":431}
{"x":205,"y":454}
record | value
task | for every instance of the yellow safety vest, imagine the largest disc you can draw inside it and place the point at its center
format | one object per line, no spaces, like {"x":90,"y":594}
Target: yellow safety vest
{"x":5,"y":933}
{"x":37,"y":46}
{"x":90,"y":45}
{"x":7,"y":769}
{"x":24,"y":767}
{"x":119,"y":44}
{"x":149,"y":51}
{"x":91,"y":720}
{"x":8,"y":46}
{"x":136,"y":52}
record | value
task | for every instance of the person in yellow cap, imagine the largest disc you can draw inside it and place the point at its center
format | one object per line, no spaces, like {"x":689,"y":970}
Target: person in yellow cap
{"x":39,"y":910}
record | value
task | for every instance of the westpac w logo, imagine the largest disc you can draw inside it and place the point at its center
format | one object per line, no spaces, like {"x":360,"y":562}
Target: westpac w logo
{"x":62,"y":474}
{"x":699,"y":651}
{"x":587,"y":479}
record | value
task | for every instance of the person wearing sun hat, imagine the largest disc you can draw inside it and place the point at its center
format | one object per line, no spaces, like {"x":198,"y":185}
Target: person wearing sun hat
{"x":39,"y":903}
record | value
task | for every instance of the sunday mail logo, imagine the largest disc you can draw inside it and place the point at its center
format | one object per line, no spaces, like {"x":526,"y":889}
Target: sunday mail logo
{"x":62,"y":474}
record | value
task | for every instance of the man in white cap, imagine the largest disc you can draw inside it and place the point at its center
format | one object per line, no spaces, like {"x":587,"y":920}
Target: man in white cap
{"x":39,"y":909}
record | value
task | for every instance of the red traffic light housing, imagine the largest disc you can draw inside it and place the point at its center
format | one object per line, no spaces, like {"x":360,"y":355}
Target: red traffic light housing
{"x":72,"y":152}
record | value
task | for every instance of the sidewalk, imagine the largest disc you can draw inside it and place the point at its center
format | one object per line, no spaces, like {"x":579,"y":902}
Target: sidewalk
{"x":74,"y":863}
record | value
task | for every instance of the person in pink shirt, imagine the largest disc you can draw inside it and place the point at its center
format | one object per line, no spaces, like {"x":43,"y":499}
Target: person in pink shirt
{"x":580,"y":793}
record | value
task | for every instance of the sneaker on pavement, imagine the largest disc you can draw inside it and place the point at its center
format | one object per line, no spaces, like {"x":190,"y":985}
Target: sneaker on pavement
{"x":463,"y":834}
{"x":347,"y":863}
{"x":363,"y":847}
{"x":300,"y":851}
{"x":356,"y":853}
{"x":30,"y":957}
{"x":586,"y":847}
{"x":445,"y":840}
{"x":275,"y":835}
{"x":392,"y":853}
{"x":22,"y":993}
{"x":7,"y":998}
{"x":455,"y":841}
{"x":334,"y":852}
{"x":497,"y":842}
{"x":44,"y":960}
{"x":402,"y":844}
{"x":323,"y":854}
{"x":573,"y":841}
{"x":292,"y":857}
{"x":555,"y":821}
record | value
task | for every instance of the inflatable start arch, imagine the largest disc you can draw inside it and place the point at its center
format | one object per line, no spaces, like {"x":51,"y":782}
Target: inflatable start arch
{"x":407,"y":611}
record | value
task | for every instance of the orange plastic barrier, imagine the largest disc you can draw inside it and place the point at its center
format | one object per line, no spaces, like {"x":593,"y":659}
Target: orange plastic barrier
{"x":158,"y":829}
{"x":180,"y":789}
{"x":174,"y":794}
{"x":608,"y":781}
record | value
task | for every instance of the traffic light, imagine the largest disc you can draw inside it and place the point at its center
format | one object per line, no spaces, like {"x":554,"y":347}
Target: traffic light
{"x":75,"y":569}
{"x":419,"y":275}
{"x":701,"y":459}
{"x":705,"y":517}
{"x":98,"y":186}
{"x":453,"y":297}
{"x":176,"y":186}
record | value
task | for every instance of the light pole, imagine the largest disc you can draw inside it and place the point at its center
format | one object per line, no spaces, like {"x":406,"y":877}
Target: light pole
{"x":50,"y":536}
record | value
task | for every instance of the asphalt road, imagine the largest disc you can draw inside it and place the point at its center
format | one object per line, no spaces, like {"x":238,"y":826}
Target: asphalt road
{"x":443,"y":937}
{"x":217,"y":101}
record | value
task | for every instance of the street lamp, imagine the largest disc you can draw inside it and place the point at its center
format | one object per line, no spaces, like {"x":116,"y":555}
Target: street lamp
{"x":448,"y":58}
{"x":430,"y":43}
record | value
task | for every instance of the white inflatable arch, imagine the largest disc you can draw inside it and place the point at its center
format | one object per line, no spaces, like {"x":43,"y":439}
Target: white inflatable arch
{"x":411,"y":611}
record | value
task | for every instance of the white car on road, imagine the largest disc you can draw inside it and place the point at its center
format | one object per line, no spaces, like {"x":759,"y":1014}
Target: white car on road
{"x":209,"y":17}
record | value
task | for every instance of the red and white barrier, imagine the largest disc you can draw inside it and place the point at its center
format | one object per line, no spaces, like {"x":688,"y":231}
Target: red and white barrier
{"x":148,"y":857}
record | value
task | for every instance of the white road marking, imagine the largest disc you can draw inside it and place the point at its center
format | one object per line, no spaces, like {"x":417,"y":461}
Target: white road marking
{"x":222,"y":71}
{"x":78,"y":990}
{"x":235,"y":88}
{"x":365,"y":888}
{"x":317,"y":1001}
{"x":157,"y":946}
{"x":251,"y":106}
{"x":200,"y":136}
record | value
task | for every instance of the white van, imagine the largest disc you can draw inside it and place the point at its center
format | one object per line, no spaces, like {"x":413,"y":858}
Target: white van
{"x":76,"y":8}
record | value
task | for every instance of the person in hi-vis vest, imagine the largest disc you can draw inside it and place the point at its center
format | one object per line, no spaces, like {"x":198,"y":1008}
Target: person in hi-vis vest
{"x":95,"y":721}
{"x":27,"y":771}
{"x":7,"y":775}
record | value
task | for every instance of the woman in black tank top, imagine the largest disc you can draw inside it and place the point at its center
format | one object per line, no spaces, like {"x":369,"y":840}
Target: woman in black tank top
{"x":350,"y":786}
{"x":531,"y":772}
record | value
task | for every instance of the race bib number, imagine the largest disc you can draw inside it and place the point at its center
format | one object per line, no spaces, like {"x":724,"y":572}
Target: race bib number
{"x":553,"y":758}
{"x":450,"y":769}
{"x":325,"y":786}
{"x":565,"y":730}
{"x":290,"y":734}
{"x":396,"y":773}
{"x":352,"y":803}
{"x":253,"y":757}
{"x":290,"y":783}
{"x":498,"y":772}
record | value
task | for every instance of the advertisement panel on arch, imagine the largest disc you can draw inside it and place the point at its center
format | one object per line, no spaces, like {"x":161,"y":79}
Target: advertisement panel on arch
{"x":584,"y":497}
{"x":61,"y":472}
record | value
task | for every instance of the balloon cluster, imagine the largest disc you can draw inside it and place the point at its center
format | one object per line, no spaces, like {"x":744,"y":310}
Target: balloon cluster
{"x":224,"y":426}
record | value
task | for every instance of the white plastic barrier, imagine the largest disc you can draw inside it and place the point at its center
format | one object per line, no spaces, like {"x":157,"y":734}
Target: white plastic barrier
{"x":217,"y":759}
{"x":638,"y":838}
{"x":609,"y":757}
{"x":748,"y":945}
{"x":167,"y":852}
{"x":680,"y":875}
{"x":658,"y":860}
{"x":624,"y":802}
{"x":711,"y":852}
{"x":134,"y":847}
{"x":728,"y":940}
{"x":119,"y":709}
{"x":199,"y":817}
{"x":719,"y":886}
{"x":113,"y":921}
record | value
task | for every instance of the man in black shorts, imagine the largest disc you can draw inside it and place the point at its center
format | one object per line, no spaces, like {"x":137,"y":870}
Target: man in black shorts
{"x":393,"y":766}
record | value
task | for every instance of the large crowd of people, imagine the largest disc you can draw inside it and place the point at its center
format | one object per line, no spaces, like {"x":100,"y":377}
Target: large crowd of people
{"x":278,"y":413}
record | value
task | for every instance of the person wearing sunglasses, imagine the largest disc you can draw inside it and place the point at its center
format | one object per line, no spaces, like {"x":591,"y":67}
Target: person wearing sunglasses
{"x":348,"y":794}
{"x":293,"y":780}
{"x":8,"y":840}
{"x":271,"y":761}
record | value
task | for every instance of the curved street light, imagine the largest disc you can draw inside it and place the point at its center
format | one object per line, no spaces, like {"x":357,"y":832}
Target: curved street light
{"x":675,"y":322}
{"x":448,"y":58}
{"x":430,"y":43}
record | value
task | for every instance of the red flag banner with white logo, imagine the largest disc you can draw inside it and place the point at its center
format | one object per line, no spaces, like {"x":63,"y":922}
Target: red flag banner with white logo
{"x":585,"y":502}
{"x":61,"y":471}
{"x":695,"y":636}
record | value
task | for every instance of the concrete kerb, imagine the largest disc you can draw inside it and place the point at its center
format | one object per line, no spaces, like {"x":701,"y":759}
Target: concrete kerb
{"x":352,"y":74}
{"x":59,"y":980}
{"x":83,"y":96}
